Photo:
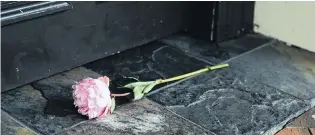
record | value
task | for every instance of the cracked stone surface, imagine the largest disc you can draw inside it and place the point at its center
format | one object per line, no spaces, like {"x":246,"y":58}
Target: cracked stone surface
{"x":9,"y":126}
{"x":215,"y":53}
{"x":148,"y":62}
{"x":141,"y":117}
{"x":280,"y":66}
{"x":227,"y":102}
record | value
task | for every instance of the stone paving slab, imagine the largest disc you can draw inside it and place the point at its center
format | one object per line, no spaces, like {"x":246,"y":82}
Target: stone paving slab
{"x":227,"y":102}
{"x":141,"y":117}
{"x":280,"y":66}
{"x":213,"y":53}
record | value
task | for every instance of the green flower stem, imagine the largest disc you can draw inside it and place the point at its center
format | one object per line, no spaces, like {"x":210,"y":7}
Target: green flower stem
{"x":120,"y":95}
{"x":192,"y":73}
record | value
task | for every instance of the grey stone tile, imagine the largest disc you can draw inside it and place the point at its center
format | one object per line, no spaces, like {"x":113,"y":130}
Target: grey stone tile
{"x":283,"y":67}
{"x":47,"y":105}
{"x":142,"y":117}
{"x":9,"y":126}
{"x":226,"y":102}
{"x":215,"y":53}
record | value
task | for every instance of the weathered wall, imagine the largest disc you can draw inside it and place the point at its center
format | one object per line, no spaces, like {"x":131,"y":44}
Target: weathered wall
{"x":292,"y":22}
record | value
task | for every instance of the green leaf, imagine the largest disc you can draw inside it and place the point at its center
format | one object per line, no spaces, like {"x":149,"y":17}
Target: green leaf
{"x":113,"y":105}
{"x":140,"y":88}
{"x":138,"y":84}
{"x":138,"y":93}
{"x":149,"y":88}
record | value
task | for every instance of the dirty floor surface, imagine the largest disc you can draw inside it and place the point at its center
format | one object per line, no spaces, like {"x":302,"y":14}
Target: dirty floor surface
{"x":268,"y":85}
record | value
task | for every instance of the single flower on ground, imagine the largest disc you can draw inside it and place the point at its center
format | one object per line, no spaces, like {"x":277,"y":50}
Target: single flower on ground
{"x":92,"y":97}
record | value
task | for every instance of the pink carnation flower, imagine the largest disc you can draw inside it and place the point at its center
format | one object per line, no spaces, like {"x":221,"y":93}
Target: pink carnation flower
{"x":92,"y":97}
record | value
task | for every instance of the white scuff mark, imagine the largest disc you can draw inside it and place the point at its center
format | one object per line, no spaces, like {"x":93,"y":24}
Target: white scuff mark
{"x":17,"y":73}
{"x":52,"y":117}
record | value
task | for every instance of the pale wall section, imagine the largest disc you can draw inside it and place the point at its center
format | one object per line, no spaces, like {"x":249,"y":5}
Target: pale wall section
{"x":292,"y":22}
